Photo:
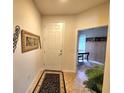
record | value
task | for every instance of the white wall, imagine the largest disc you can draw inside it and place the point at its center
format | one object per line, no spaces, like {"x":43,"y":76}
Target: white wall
{"x":26,"y":65}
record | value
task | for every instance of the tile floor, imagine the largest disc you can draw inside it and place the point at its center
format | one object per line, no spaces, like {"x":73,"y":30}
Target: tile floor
{"x":74,"y":81}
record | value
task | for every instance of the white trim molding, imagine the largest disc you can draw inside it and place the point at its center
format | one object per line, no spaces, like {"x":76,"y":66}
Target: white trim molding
{"x":72,"y":71}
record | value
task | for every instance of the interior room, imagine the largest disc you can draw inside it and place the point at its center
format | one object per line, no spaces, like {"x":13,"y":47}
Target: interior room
{"x":91,"y":50}
{"x":92,"y":45}
{"x":45,"y":45}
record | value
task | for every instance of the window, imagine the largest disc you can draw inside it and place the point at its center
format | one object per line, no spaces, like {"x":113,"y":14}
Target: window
{"x":81,"y":43}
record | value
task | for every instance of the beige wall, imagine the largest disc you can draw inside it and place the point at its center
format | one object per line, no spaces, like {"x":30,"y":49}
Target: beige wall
{"x":106,"y":83}
{"x":26,"y":65}
{"x":97,"y":16}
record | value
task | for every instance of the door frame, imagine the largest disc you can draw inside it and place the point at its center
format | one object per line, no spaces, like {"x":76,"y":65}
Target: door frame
{"x":63,"y":32}
{"x":76,"y":41}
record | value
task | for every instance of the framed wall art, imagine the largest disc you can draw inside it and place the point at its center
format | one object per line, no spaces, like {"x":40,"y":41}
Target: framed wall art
{"x":29,"y":41}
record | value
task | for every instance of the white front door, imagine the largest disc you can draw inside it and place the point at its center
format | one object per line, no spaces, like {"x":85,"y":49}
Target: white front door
{"x":52,"y":44}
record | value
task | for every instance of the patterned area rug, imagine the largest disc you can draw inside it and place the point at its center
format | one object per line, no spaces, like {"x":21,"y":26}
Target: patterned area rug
{"x":51,"y":82}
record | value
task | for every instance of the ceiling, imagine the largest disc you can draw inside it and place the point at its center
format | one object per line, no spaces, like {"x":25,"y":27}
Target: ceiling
{"x":66,"y":7}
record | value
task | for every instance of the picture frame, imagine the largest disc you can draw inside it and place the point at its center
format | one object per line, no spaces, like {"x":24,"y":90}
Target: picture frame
{"x":29,"y":41}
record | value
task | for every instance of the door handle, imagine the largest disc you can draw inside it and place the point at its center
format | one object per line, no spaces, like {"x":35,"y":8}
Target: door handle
{"x":60,"y":54}
{"x":61,"y":50}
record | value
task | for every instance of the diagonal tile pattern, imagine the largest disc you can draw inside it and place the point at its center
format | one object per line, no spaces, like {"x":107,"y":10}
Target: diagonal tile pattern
{"x":74,"y":81}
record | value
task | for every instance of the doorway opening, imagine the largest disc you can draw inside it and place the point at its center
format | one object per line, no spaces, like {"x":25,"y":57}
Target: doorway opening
{"x":91,"y":46}
{"x":91,"y":50}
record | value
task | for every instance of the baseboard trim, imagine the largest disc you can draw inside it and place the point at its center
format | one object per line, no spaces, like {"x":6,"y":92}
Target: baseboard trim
{"x":34,"y":82}
{"x":72,"y":71}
